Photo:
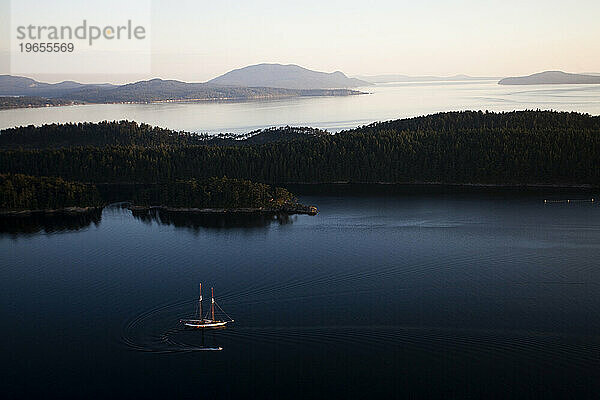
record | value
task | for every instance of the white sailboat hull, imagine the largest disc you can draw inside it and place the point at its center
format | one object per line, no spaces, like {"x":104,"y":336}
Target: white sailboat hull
{"x":204,"y":324}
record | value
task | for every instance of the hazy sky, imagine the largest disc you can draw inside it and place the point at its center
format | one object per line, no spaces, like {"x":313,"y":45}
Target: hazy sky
{"x":197,"y":40}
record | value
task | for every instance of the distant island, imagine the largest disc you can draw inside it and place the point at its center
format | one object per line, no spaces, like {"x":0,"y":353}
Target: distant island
{"x":551,"y":78}
{"x":389,"y":78}
{"x":263,"y":81}
{"x":286,"y":76}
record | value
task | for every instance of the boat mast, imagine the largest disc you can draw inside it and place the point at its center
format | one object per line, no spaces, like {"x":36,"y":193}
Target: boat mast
{"x":200,"y":304}
{"x":212,"y":303}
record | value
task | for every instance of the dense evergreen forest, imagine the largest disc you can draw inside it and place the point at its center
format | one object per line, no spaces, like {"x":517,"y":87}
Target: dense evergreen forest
{"x":213,"y":193}
{"x":128,"y":133}
{"x":123,"y":133}
{"x":21,"y":192}
{"x":526,"y":147}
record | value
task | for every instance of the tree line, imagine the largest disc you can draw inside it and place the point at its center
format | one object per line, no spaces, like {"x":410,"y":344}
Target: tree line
{"x":22,"y":192}
{"x":525,"y":147}
{"x":212,"y":193}
{"x":129,"y":133}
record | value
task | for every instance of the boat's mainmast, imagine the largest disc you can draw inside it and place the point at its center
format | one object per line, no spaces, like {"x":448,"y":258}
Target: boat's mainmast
{"x":212,"y":303}
{"x":200,"y":304}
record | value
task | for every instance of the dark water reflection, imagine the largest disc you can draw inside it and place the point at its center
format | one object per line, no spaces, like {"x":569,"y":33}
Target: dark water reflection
{"x":16,"y":226}
{"x":396,"y":295}
{"x":196,"y":222}
{"x":45,"y":223}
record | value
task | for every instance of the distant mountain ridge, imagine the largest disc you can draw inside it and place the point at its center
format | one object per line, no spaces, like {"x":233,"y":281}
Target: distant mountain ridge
{"x":551,"y":78}
{"x":389,"y":78}
{"x":286,"y":76}
{"x":22,"y":86}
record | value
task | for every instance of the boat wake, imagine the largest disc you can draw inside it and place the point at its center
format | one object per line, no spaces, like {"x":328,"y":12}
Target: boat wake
{"x":156,"y":331}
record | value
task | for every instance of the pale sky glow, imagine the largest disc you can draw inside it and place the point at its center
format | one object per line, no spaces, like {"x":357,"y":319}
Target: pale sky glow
{"x":197,"y":40}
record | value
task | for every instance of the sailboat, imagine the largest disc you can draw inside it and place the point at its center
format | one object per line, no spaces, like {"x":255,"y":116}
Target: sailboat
{"x":203,"y":321}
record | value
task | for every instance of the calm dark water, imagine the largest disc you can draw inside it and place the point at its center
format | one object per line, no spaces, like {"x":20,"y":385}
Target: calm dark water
{"x":391,"y":296}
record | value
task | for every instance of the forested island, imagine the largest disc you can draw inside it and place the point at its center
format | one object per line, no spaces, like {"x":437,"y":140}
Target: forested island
{"x":215,"y":195}
{"x":188,"y":170}
{"x":23,"y":194}
{"x":520,"y":148}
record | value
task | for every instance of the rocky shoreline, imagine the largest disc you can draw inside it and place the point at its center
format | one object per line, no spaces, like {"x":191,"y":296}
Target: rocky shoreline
{"x":286,"y":209}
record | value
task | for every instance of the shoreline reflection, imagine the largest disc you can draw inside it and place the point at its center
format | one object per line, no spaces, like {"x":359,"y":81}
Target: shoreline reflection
{"x":197,"y":222}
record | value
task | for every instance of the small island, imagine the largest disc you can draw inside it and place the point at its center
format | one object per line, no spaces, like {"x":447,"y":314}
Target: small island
{"x":217,"y":196}
{"x":23,"y":195}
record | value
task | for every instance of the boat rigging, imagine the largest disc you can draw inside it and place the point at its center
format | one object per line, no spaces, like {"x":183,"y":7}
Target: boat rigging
{"x":204,"y":321}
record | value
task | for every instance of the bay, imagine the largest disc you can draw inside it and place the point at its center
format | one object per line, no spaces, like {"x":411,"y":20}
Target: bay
{"x":397,"y":294}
